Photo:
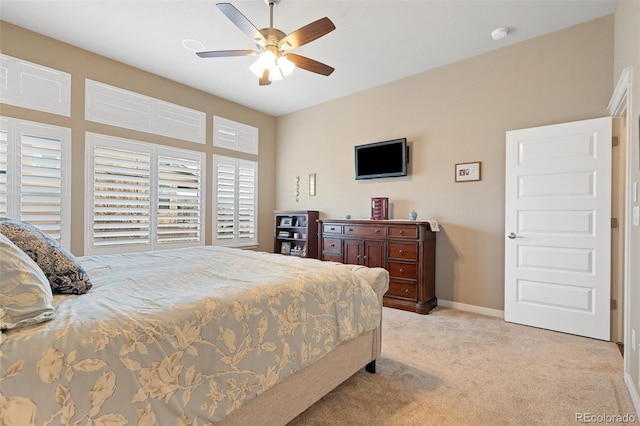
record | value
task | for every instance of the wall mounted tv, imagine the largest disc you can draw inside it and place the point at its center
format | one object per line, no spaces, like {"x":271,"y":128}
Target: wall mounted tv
{"x":382,"y":159}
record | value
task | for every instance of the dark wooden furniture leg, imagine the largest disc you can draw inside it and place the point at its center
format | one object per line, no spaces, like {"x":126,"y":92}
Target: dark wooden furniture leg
{"x":371,"y":367}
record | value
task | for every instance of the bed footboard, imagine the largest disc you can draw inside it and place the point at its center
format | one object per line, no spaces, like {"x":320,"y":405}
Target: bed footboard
{"x":282,"y":403}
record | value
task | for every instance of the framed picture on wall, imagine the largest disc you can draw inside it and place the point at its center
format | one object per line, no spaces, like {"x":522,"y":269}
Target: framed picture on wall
{"x":466,"y":172}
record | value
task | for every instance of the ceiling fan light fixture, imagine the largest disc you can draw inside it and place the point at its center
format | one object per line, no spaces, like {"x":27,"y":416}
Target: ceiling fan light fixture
{"x":265,"y":60}
{"x":274,"y":73}
{"x":273,"y":45}
{"x":285,"y":65}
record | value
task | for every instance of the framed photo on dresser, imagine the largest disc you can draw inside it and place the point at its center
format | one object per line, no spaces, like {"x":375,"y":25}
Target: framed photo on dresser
{"x":285,"y":248}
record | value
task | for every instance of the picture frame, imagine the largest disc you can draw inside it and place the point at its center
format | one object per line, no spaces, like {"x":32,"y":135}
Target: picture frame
{"x":467,"y":172}
{"x":285,"y":248}
{"x":286,"y":221}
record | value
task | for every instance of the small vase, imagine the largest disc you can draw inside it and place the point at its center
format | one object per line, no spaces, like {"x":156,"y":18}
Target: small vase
{"x":413,"y":215}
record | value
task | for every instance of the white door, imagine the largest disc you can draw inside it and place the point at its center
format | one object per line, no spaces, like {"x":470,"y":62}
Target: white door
{"x":558,"y":226}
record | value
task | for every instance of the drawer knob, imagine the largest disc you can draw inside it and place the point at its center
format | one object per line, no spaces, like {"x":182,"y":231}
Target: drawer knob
{"x":406,"y":290}
{"x":332,"y":228}
{"x":401,"y":270}
{"x":401,"y":251}
{"x":377,"y":231}
{"x":402,"y":232}
{"x":332,"y":245}
{"x":350,"y":229}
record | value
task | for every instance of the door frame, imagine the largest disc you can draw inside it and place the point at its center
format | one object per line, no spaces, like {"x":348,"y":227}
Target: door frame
{"x":620,"y":104}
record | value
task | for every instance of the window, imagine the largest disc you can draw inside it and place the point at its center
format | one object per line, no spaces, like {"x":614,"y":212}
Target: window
{"x":142,"y":196}
{"x":235,"y":197}
{"x":34,"y":86}
{"x":236,"y":136}
{"x":122,"y":108}
{"x":35,"y":176}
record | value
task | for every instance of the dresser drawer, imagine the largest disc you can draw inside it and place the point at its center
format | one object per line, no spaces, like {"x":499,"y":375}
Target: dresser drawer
{"x":332,"y":245}
{"x":365,"y":231}
{"x":330,"y":257}
{"x":403,"y":290}
{"x":404,"y":251}
{"x":403,"y":270}
{"x":331,"y":228}
{"x":403,"y":231}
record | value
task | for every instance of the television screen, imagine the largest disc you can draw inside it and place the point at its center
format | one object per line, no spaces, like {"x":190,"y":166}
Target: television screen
{"x":382,"y":159}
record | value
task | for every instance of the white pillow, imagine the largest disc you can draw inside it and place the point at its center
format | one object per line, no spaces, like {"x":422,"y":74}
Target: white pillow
{"x":25,"y":293}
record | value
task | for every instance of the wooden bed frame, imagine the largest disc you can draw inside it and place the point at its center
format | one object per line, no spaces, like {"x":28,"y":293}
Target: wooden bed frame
{"x":282,"y":403}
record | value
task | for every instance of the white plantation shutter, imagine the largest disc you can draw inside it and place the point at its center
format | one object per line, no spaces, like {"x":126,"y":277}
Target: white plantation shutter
{"x":236,"y":136}
{"x":225,"y":196}
{"x":179,"y":198}
{"x":142,"y":196}
{"x":235,"y":195}
{"x":41,"y":185}
{"x":4,"y":145}
{"x":247,"y":200}
{"x":121,"y":195}
{"x":35,"y":176}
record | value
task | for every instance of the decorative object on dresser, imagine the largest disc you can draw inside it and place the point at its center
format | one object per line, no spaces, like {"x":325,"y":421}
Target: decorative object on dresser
{"x":405,"y":248}
{"x":296,"y":233}
{"x":379,"y":208}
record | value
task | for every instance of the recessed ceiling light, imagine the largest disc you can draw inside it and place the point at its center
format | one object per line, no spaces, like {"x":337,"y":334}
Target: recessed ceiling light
{"x":499,"y":33}
{"x":193,"y":45}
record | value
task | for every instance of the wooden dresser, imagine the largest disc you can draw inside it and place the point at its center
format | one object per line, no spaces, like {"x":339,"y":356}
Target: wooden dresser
{"x":405,"y":248}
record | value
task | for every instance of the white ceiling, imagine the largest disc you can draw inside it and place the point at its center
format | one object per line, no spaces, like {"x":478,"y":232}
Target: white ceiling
{"x":375,"y":42}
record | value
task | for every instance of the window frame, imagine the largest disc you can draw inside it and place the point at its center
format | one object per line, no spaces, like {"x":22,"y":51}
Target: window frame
{"x":15,"y":129}
{"x":154,"y":151}
{"x":237,"y":240}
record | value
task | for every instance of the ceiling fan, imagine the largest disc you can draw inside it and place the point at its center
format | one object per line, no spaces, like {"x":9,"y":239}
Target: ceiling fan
{"x":274,"y":46}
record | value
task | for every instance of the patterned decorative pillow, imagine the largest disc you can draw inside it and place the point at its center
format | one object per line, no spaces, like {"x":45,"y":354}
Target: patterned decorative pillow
{"x":25,"y":293}
{"x":64,"y":272}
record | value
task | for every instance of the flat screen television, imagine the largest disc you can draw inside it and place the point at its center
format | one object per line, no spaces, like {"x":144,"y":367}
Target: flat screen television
{"x":382,"y":159}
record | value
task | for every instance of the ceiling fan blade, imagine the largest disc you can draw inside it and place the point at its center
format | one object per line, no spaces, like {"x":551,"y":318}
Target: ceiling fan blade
{"x":242,"y":22}
{"x":307,"y":34}
{"x":310,"y":64}
{"x":225,"y":53}
{"x":264,"y":80}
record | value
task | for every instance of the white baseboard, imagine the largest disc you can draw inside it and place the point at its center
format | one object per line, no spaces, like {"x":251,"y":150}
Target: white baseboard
{"x":633,"y":392}
{"x":471,"y":308}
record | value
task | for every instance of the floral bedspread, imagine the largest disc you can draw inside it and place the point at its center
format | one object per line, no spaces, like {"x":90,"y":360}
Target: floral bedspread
{"x":178,"y":337}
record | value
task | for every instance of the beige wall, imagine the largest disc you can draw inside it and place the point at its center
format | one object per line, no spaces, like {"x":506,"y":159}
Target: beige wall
{"x":627,"y":54}
{"x":458,"y":113}
{"x":18,"y":42}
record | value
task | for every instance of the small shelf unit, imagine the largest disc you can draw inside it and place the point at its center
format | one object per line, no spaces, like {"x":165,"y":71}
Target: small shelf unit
{"x":296,"y":233}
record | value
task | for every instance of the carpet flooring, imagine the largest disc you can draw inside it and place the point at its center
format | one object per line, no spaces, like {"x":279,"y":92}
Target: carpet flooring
{"x":457,"y":368}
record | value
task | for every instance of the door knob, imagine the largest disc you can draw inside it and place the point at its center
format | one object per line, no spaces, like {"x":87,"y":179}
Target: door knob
{"x":512,"y":236}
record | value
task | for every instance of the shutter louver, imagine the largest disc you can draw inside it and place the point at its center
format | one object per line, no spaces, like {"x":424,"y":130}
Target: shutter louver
{"x":121,"y":197}
{"x":179,"y":195}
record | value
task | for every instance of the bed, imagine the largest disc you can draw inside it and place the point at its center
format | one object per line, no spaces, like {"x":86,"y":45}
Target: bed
{"x":193,"y":336}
